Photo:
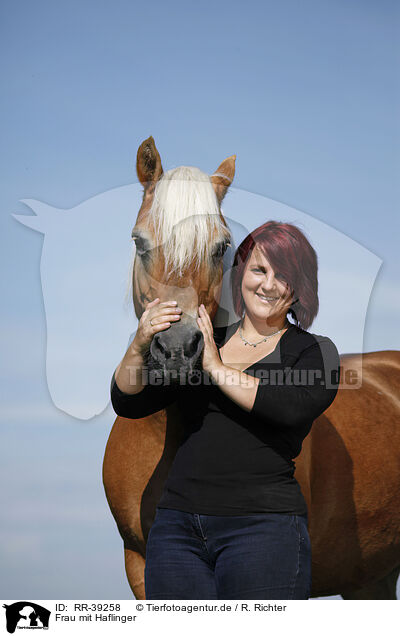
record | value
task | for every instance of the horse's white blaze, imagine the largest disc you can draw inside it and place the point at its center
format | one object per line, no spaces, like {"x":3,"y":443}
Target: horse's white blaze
{"x":185,"y":217}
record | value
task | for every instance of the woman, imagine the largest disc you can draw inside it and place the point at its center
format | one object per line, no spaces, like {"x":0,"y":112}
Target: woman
{"x":232,"y":521}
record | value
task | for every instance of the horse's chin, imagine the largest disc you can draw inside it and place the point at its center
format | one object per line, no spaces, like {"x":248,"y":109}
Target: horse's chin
{"x":172,"y":373}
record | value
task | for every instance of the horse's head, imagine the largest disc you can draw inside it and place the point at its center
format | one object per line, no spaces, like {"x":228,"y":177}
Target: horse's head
{"x":180,"y":236}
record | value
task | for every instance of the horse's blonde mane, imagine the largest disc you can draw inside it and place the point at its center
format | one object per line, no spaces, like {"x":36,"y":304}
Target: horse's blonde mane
{"x":185,"y":215}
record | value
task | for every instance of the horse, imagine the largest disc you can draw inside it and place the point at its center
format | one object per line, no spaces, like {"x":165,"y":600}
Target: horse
{"x":181,"y":237}
{"x":348,"y":468}
{"x":349,"y":473}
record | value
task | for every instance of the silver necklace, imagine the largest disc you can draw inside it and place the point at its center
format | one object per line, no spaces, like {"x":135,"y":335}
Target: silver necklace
{"x":255,"y":344}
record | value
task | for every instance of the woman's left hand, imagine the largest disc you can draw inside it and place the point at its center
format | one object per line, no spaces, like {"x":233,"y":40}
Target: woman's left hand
{"x":211,"y":360}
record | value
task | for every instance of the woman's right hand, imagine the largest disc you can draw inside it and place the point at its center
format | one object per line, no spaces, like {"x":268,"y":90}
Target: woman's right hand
{"x":156,"y":317}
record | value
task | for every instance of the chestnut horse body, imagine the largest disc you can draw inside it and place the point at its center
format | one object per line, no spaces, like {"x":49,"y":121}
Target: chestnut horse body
{"x":349,"y":466}
{"x":349,"y":473}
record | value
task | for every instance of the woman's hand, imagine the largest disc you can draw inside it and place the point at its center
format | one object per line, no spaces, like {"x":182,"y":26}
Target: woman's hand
{"x":211,"y":360}
{"x":156,"y":317}
{"x":241,"y":388}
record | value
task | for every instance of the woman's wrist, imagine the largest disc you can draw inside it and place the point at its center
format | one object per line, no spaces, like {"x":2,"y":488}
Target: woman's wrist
{"x":218,"y":372}
{"x":129,"y":373}
{"x":136,"y":350}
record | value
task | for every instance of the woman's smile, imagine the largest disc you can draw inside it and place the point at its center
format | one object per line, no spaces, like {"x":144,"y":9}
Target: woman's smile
{"x":267,"y":299}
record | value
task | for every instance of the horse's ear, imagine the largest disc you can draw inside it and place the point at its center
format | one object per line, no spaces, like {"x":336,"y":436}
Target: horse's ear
{"x":223,"y":177}
{"x":148,"y":163}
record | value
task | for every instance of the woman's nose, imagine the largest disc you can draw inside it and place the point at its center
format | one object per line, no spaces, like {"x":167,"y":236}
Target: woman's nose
{"x":269,"y":282}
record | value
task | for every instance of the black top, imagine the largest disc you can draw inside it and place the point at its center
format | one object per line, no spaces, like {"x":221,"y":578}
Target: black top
{"x":234,"y":462}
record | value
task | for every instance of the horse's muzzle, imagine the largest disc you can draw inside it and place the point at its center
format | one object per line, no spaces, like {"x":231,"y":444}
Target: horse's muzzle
{"x":176,"y":349}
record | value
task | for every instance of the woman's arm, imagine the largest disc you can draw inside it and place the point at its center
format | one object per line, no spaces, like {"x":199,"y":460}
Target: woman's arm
{"x":155,"y":318}
{"x":238,"y":386}
{"x":298,"y":394}
{"x":131,"y":396}
{"x":302,"y":392}
{"x":150,"y":399}
{"x":128,"y":375}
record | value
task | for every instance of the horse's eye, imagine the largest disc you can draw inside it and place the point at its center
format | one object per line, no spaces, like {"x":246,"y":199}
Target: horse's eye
{"x":220,"y":250}
{"x":142,"y":245}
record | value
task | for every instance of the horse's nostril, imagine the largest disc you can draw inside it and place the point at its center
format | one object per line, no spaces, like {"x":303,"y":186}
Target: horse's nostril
{"x":192,"y":347}
{"x":159,"y":345}
{"x":196,"y":339}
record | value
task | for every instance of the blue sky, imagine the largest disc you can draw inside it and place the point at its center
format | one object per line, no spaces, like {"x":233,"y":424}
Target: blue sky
{"x":305,"y":94}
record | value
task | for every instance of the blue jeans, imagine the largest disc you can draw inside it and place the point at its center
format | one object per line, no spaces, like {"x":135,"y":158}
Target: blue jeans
{"x":258,"y":556}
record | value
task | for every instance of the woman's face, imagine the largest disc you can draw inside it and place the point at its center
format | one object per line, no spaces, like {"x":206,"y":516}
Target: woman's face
{"x":265,"y":293}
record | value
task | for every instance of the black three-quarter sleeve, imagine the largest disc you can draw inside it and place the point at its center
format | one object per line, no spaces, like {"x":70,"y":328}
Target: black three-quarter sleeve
{"x":303,"y":390}
{"x":148,"y":401}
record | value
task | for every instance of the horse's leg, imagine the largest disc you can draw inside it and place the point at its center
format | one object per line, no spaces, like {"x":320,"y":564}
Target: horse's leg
{"x":134,"y":567}
{"x":132,"y":453}
{"x":382,"y":590}
{"x":136,"y":463}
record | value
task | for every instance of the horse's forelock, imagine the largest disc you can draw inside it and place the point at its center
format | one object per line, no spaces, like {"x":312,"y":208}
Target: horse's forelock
{"x":186,"y":218}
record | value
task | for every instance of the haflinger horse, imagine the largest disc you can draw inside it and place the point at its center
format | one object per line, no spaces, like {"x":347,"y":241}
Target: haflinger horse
{"x":349,"y":466}
{"x":181,"y":237}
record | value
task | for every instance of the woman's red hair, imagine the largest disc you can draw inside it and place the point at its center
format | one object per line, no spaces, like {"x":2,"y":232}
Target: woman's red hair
{"x":289,"y":253}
